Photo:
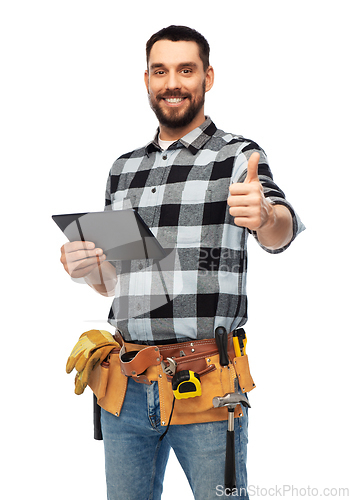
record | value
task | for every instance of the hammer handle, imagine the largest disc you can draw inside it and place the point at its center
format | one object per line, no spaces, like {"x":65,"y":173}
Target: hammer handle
{"x":230,"y":464}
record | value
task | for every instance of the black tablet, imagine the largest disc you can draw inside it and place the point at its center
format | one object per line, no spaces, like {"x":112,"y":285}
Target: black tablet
{"x":122,"y":234}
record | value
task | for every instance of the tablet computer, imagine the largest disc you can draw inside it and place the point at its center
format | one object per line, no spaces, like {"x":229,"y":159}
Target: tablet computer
{"x":122,"y":234}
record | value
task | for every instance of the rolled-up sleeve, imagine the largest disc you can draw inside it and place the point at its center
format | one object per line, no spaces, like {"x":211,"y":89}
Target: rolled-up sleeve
{"x":273,"y":194}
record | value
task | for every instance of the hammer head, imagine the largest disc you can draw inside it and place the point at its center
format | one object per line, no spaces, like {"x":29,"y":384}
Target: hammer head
{"x":231,"y":400}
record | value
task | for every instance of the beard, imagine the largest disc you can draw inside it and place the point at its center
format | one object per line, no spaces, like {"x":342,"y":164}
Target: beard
{"x":172,"y":117}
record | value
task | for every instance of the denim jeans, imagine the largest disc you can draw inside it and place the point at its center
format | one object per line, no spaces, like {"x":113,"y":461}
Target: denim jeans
{"x":135,"y":459}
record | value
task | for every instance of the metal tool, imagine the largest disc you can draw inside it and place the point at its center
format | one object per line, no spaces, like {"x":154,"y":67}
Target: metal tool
{"x":231,"y":400}
{"x":169,"y":366}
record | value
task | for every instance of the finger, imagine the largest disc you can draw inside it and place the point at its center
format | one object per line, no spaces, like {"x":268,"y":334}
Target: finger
{"x":84,"y":267}
{"x":84,"y":254}
{"x":238,"y":201}
{"x":76,"y":258}
{"x":81,"y":273}
{"x":252,"y":169}
{"x":242,"y":221}
{"x":74,"y":246}
{"x":245,"y":212}
{"x":239,"y":188}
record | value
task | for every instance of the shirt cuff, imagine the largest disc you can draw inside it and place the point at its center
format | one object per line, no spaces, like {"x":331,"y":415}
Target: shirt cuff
{"x":298,"y":226}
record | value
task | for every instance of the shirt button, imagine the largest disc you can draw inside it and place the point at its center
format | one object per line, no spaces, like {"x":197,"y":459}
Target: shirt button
{"x":140,"y":266}
{"x":165,"y":157}
{"x":153,"y":190}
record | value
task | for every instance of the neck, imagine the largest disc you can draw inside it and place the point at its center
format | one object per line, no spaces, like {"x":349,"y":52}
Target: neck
{"x":173,"y":134}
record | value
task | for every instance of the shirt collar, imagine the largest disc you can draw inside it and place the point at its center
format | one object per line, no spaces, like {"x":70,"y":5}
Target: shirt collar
{"x":193,"y":141}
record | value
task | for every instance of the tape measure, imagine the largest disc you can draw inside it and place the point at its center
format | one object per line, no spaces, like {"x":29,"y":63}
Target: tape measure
{"x":186,"y":384}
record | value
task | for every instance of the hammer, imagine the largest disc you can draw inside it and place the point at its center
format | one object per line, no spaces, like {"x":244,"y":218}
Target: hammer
{"x":231,"y":400}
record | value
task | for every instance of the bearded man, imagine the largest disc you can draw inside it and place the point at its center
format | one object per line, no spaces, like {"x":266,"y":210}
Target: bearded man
{"x":201,"y":191}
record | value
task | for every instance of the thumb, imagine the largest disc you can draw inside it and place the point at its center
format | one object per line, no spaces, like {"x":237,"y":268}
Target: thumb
{"x":252,"y":170}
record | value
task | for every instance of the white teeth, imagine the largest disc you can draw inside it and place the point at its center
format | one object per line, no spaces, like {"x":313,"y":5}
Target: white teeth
{"x":174,"y":100}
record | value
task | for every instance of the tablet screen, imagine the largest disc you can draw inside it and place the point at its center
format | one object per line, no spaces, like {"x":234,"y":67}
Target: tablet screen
{"x":122,"y":234}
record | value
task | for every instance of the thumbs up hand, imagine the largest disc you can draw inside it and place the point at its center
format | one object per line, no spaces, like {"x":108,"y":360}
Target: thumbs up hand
{"x":247,"y":202}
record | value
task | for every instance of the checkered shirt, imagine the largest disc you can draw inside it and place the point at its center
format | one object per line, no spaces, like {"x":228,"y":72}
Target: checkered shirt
{"x":181,"y":194}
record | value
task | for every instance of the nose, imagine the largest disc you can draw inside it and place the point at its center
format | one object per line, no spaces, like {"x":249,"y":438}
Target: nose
{"x":173,"y":81}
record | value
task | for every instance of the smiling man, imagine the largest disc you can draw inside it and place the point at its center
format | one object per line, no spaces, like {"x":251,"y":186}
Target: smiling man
{"x":176,"y":86}
{"x":202,"y":191}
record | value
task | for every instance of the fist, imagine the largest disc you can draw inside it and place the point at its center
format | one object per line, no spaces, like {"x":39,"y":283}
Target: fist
{"x":247,"y":202}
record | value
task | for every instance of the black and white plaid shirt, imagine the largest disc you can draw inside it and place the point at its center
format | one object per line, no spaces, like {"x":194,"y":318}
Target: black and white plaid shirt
{"x":181,"y":194}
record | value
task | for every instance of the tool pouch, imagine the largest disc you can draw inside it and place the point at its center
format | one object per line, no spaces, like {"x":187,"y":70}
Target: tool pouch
{"x":109,"y":384}
{"x":216,"y":380}
{"x":245,"y":379}
{"x":135,"y":363}
{"x":109,"y":380}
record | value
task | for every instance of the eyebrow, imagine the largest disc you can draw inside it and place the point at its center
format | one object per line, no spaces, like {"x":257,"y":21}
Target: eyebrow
{"x":181,"y":65}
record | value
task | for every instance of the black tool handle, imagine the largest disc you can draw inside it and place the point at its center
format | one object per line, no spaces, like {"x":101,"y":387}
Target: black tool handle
{"x":230,"y":464}
{"x":221,"y":342}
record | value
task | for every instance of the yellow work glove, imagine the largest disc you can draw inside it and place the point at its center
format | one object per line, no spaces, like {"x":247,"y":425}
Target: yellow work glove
{"x":90,"y":350}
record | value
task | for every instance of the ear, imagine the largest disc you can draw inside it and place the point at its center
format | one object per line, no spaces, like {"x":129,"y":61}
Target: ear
{"x":146,"y":79}
{"x":209,"y":78}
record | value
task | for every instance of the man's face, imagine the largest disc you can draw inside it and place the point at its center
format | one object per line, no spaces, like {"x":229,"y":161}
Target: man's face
{"x":176,"y":83}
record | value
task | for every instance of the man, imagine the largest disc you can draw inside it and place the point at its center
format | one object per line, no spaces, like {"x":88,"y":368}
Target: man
{"x":201,"y":191}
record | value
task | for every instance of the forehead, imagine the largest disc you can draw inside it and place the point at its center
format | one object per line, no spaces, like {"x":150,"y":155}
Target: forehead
{"x":167,"y":52}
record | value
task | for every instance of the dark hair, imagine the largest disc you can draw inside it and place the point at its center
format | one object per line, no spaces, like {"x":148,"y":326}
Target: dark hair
{"x":181,"y":33}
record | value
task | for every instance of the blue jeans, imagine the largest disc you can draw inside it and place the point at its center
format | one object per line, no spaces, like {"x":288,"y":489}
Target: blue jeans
{"x":135,"y":459}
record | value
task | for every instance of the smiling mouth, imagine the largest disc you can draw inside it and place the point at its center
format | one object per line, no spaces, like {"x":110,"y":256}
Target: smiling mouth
{"x":174,"y":100}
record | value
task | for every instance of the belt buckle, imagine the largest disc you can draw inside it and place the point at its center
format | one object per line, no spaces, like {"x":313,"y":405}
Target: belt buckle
{"x":169,"y":369}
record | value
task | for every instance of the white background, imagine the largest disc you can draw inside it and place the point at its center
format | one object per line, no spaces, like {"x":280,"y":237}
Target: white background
{"x":73,"y":100}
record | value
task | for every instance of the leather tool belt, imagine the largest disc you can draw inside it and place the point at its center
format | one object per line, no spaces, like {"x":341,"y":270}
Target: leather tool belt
{"x":184,"y":356}
{"x":148,"y":364}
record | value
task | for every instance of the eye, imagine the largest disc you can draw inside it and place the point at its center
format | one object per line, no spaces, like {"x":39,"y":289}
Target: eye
{"x":186,"y":71}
